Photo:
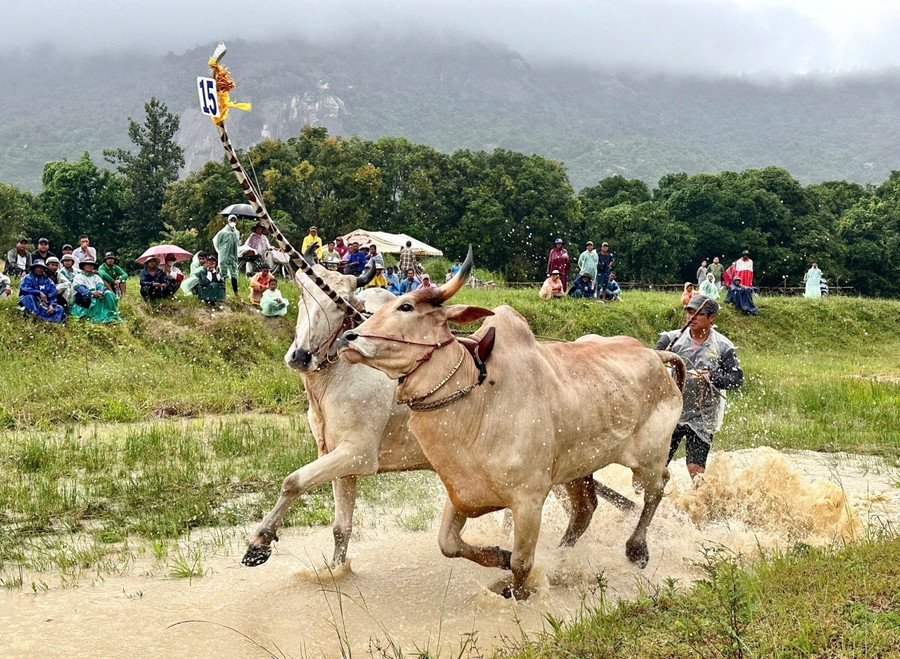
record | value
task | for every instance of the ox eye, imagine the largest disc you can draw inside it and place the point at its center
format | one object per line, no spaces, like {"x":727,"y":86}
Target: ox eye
{"x":405,"y":307}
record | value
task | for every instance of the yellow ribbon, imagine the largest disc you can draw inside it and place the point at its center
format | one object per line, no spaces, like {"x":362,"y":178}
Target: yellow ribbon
{"x":224,"y":85}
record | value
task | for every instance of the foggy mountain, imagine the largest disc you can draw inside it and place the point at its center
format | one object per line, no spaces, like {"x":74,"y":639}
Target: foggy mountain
{"x":454,"y":95}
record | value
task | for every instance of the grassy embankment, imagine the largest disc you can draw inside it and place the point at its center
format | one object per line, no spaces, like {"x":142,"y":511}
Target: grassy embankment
{"x":77,"y":498}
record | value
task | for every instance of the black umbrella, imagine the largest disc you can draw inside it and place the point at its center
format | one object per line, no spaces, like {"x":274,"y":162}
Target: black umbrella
{"x":241,"y":210}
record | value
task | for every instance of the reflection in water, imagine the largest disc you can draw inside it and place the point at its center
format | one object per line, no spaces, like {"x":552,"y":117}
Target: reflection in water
{"x":399,"y":590}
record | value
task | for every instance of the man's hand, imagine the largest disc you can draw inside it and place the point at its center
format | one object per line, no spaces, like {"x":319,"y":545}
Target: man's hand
{"x":43,"y":298}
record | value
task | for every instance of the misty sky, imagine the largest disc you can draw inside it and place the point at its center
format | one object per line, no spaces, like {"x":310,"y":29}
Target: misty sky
{"x":781,"y":37}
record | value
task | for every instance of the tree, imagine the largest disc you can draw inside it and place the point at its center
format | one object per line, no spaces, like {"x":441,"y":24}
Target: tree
{"x":18,"y":211}
{"x":146,"y":174}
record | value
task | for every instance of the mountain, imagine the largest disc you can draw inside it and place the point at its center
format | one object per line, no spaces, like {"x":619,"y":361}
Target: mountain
{"x":458,"y":95}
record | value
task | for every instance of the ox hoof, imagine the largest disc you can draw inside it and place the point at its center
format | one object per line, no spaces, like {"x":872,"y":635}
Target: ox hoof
{"x":256,"y":555}
{"x":509,"y":590}
{"x":637,"y":553}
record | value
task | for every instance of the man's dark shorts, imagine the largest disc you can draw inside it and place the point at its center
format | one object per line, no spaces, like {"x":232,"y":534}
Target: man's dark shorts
{"x":697,"y":450}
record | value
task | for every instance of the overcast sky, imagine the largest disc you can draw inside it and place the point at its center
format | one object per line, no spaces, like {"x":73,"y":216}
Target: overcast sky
{"x":780,"y":37}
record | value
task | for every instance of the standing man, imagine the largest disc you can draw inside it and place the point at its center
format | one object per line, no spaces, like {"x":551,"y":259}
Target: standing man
{"x":605,"y":260}
{"x":712,"y":367}
{"x":744,"y":268}
{"x":716,"y":269}
{"x":18,"y":259}
{"x":701,"y":273}
{"x":407,"y":259}
{"x":587,"y":262}
{"x":226,"y":243}
{"x":559,"y":260}
{"x":84,"y":251}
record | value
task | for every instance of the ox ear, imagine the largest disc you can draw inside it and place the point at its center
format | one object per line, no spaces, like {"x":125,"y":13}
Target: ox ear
{"x":462,"y":314}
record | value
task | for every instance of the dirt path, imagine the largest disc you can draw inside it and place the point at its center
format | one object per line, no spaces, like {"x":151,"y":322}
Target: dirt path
{"x":400,"y":589}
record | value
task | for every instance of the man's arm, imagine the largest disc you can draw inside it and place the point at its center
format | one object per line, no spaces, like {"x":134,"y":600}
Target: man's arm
{"x":728,"y":375}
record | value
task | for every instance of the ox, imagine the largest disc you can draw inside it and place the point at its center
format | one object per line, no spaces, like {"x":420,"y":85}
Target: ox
{"x":359,"y":428}
{"x":505,"y":443}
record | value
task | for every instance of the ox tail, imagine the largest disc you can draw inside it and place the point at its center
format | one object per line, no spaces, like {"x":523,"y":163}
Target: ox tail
{"x":673,"y":360}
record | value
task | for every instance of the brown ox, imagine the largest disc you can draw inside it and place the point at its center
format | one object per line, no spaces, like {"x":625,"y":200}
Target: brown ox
{"x":547,"y":414}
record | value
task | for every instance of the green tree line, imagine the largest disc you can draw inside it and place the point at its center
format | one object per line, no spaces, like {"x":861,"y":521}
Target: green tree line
{"x":509,"y":205}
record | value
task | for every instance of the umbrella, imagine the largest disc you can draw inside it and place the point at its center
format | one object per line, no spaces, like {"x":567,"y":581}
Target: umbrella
{"x":161,"y":251}
{"x":241,"y":210}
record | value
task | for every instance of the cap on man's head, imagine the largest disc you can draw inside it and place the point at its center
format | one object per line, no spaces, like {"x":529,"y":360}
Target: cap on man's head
{"x":745,"y":253}
{"x":378,"y":266}
{"x":709,"y":305}
{"x":43,"y":241}
{"x":589,"y":244}
{"x":314,"y":229}
{"x":66,"y":246}
{"x":559,"y":241}
{"x":67,"y":257}
{"x":555,"y":272}
{"x":22,"y":239}
{"x":604,"y":245}
{"x":585,"y":274}
{"x":52,"y":259}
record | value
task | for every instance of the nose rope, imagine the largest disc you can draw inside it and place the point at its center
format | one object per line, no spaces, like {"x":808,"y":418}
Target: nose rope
{"x":421,"y":360}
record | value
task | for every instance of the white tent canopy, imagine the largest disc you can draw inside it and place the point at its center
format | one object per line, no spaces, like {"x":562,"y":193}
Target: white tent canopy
{"x":390,"y":243}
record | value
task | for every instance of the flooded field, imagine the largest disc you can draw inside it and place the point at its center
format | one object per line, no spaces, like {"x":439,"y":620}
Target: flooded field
{"x":399,"y":594}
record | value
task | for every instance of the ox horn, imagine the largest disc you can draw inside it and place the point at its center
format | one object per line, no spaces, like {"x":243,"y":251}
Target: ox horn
{"x":451,"y":288}
{"x":367,"y":276}
{"x":310,"y":254}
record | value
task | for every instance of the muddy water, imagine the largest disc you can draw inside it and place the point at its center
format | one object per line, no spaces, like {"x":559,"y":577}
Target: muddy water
{"x":399,"y":589}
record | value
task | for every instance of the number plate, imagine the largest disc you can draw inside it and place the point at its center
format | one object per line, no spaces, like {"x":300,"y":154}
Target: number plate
{"x":209,"y":102}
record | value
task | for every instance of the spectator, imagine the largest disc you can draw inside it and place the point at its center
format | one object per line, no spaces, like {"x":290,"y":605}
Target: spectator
{"x":744,"y":267}
{"x":5,"y":287}
{"x":409,"y":284}
{"x":198,"y":265}
{"x":456,"y":267}
{"x":112,"y":274}
{"x":43,"y":251}
{"x":356,"y":260}
{"x":63,"y":286}
{"x":67,"y":272}
{"x":701,"y":273}
{"x":393,"y":283}
{"x":813,"y":279}
{"x":716,"y":269}
{"x":173,"y":272}
{"x":583,"y":286}
{"x":155,"y":284}
{"x":256,"y":245}
{"x":272,"y":302}
{"x":408,"y":259}
{"x":559,"y":261}
{"x":605,"y":260}
{"x":84,"y":250}
{"x":226,"y":243}
{"x":587,"y":263}
{"x":712,"y":367}
{"x":426,"y":282}
{"x":687,"y":294}
{"x":374,"y":256}
{"x":553,"y":287}
{"x":312,"y":237}
{"x":741,"y":297}
{"x":210,"y":284}
{"x":93,"y":301}
{"x":379,"y":280}
{"x":37,"y":295}
{"x":449,"y":275}
{"x":18,"y":259}
{"x":340,"y":247}
{"x":66,"y":249}
{"x":708,"y":287}
{"x":329,"y":257}
{"x":259,"y":283}
{"x":613,"y":292}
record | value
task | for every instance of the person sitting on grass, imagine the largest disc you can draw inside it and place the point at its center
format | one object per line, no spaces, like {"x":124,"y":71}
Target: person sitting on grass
{"x":112,"y":274}
{"x":63,"y":286}
{"x":613,"y":291}
{"x":173,"y":272}
{"x":741,"y":296}
{"x":553,"y":287}
{"x":583,"y":287}
{"x":687,"y":294}
{"x":37,"y":295}
{"x":259,"y":283}
{"x":93,"y":301}
{"x":708,"y":287}
{"x":67,"y":273}
{"x":211,"y":284}
{"x":5,"y":288}
{"x":155,"y":285}
{"x":198,"y":265}
{"x":273,"y":302}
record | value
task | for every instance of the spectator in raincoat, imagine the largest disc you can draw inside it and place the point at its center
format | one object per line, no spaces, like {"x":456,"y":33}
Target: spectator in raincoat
{"x":744,"y":267}
{"x":587,"y":262}
{"x":259,"y":283}
{"x":340,"y":247}
{"x":37,"y":294}
{"x":63,"y":286}
{"x":379,"y":280}
{"x":112,"y":274}
{"x":741,"y":297}
{"x":559,"y":260}
{"x":813,"y":279}
{"x":273,"y":302}
{"x":198,"y":265}
{"x":67,"y":272}
{"x":687,"y":294}
{"x":309,"y":239}
{"x":708,"y":287}
{"x":93,"y":301}
{"x":583,"y":286}
{"x":226,"y":243}
{"x":393,"y":282}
